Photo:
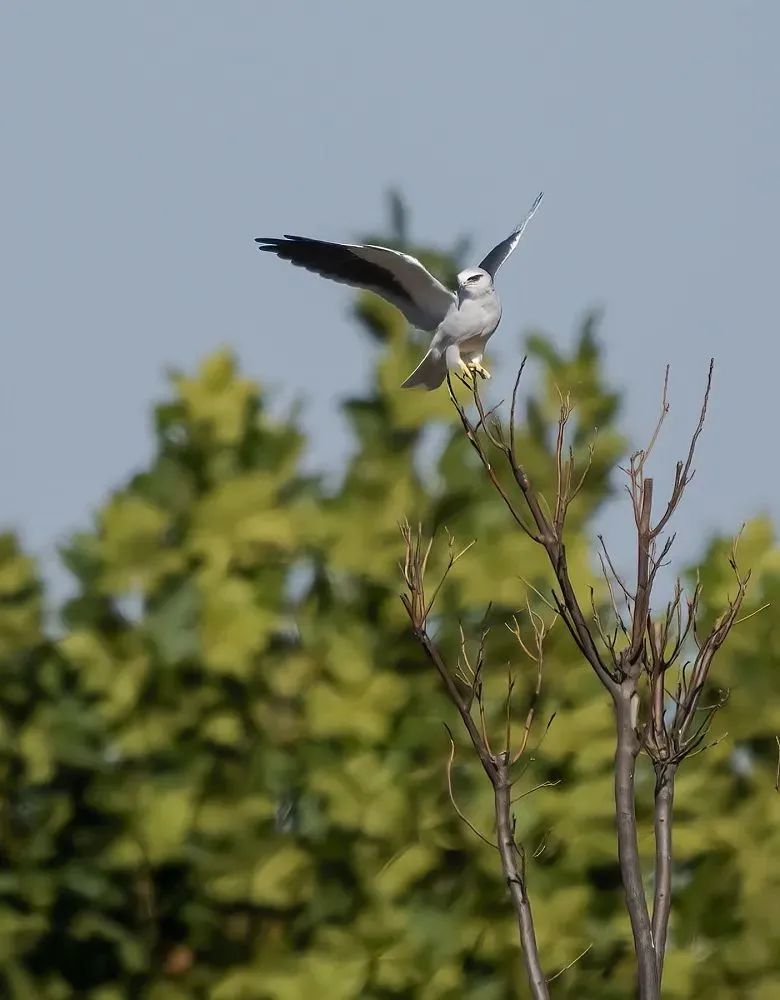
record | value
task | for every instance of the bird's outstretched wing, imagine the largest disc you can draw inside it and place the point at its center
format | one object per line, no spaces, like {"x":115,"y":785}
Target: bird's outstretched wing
{"x":499,"y":253}
{"x":396,"y":276}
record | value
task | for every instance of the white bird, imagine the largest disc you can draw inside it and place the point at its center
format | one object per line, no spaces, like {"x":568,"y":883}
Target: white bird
{"x":462,"y":322}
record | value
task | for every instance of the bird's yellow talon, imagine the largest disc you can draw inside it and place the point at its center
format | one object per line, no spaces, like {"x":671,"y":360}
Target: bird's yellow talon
{"x":476,"y":369}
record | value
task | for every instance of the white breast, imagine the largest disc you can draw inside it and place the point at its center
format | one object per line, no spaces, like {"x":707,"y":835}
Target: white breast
{"x":475,"y":319}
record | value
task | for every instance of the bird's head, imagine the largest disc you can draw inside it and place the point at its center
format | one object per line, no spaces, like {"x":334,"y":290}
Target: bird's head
{"x":473,"y":282}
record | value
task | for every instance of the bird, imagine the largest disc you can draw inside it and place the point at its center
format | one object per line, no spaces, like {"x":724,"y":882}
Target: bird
{"x":461,"y":321}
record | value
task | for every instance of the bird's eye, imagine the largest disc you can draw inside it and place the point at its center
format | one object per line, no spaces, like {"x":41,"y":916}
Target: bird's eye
{"x":475,"y":277}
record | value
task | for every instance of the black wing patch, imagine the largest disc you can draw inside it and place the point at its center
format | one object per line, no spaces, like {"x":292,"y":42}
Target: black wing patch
{"x":336,"y":261}
{"x":499,"y":253}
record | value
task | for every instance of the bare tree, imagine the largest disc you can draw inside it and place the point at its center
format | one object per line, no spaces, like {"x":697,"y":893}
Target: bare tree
{"x":632,"y":651}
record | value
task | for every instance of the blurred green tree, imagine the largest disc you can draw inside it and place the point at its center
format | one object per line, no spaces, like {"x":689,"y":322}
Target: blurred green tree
{"x":224,"y":776}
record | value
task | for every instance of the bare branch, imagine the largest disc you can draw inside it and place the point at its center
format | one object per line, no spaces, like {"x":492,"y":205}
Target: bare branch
{"x":453,"y":558}
{"x":683,"y":474}
{"x":455,"y":806}
{"x":752,"y":614}
{"x":472,"y":436}
{"x":513,"y":406}
{"x":513,"y":864}
{"x":618,"y":616}
{"x":510,"y":683}
{"x":483,"y":420}
{"x":539,"y":594}
{"x":642,"y":603}
{"x":563,"y":468}
{"x":662,"y":899}
{"x":588,"y":464}
{"x":534,"y":750}
{"x":707,"y":746}
{"x":645,"y":453}
{"x":608,"y":642}
{"x":414,"y":601}
{"x":628,"y":595}
{"x":574,"y":961}
{"x":545,"y":534}
{"x":541,"y":629}
{"x":495,"y":766}
{"x":628,"y":847}
{"x":708,"y":647}
{"x":530,"y":791}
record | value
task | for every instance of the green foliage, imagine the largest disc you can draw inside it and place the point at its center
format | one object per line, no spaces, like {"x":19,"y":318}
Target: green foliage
{"x":225,"y":776}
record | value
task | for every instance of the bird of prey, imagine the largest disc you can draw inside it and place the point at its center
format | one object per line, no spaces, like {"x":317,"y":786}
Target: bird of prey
{"x":462,"y":322}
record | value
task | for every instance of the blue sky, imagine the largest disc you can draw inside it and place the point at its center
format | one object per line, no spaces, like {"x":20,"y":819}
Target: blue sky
{"x":146,"y":145}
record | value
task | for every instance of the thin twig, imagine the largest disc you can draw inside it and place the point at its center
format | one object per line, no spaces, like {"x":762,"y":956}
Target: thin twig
{"x":752,"y":614}
{"x":777,"y":773}
{"x":645,"y":453}
{"x":455,"y":805}
{"x":574,"y":961}
{"x":530,"y":791}
{"x":471,"y":434}
{"x":683,"y":474}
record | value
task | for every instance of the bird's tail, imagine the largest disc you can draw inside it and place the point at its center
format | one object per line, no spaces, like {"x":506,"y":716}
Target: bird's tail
{"x":430,"y":372}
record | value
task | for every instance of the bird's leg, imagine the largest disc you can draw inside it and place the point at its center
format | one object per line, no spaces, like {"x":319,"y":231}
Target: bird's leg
{"x":464,"y":373}
{"x":458,"y":366}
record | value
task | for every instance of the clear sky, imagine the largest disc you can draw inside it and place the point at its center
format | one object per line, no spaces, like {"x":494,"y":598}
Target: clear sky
{"x":146,"y":144}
